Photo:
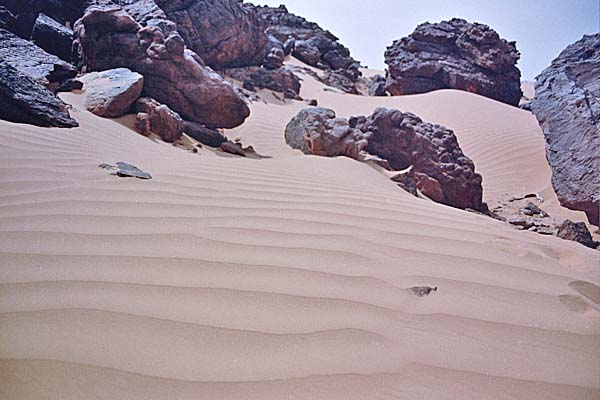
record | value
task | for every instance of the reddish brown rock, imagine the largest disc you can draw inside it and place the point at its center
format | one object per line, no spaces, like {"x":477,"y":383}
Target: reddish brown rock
{"x":223,"y":32}
{"x":108,"y":37}
{"x":437,"y":165}
{"x":455,"y":54}
{"x":158,"y":119}
{"x":207,"y":136}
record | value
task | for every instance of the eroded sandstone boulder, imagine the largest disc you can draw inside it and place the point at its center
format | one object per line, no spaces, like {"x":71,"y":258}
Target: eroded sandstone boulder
{"x":567,"y":106}
{"x":158,"y":119}
{"x":428,"y":154}
{"x":207,"y":136}
{"x":223,"y":32}
{"x":108,"y":37}
{"x":24,"y":100}
{"x":111,"y":93}
{"x":455,"y":54}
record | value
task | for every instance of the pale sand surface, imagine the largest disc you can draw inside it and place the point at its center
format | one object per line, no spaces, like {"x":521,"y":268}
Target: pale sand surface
{"x":288,"y":277}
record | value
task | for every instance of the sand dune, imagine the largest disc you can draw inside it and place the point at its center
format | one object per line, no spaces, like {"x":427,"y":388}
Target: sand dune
{"x":288,"y":277}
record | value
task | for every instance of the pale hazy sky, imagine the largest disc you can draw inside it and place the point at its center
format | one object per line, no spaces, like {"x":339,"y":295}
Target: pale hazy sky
{"x":542,"y":28}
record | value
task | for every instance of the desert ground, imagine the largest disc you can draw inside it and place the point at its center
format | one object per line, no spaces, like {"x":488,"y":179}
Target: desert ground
{"x":289,"y":276}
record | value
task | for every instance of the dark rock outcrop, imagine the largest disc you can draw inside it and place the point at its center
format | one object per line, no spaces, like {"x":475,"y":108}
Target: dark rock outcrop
{"x":567,"y":106}
{"x":53,"y":37}
{"x":158,"y":119}
{"x":31,"y":60}
{"x":206,"y":136}
{"x":107,"y":36}
{"x":111,"y":93}
{"x":578,"y":232}
{"x":455,"y":54}
{"x":279,"y":80}
{"x":24,"y":100}
{"x":378,"y":86}
{"x":311,"y":44}
{"x":223,"y":32}
{"x":24,"y":13}
{"x":400,"y":141}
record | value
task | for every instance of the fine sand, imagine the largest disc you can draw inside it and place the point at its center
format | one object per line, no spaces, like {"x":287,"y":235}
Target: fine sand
{"x":287,"y":277}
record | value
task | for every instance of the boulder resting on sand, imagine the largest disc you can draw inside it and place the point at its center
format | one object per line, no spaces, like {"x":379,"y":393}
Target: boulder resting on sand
{"x":567,"y":106}
{"x":159,"y":119}
{"x":400,"y":141}
{"x":108,"y":37}
{"x":111,"y":93}
{"x":455,"y":54}
{"x":25,"y":100}
{"x":207,"y":136}
{"x":577,"y":232}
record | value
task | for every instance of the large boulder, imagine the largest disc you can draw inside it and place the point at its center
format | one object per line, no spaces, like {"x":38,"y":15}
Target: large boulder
{"x":429,"y":154}
{"x":567,"y":106}
{"x":111,"y":93}
{"x":158,"y":119}
{"x":107,"y":36}
{"x":31,"y":60}
{"x":223,"y":32}
{"x":455,"y":54}
{"x":53,"y":37}
{"x":25,"y":100}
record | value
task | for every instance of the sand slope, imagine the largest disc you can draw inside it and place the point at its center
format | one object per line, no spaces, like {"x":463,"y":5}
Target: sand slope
{"x":289,"y":277}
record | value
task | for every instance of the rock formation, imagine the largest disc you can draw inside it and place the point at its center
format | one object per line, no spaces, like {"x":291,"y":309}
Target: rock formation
{"x":158,"y":119}
{"x":454,"y":54}
{"x":578,"y":232}
{"x":31,"y":60}
{"x":311,"y":44}
{"x":53,"y":37}
{"x":430,"y":154}
{"x":25,"y":100}
{"x":223,"y":32}
{"x":111,"y":93}
{"x":567,"y":106}
{"x":107,"y":36}
{"x":279,"y":80}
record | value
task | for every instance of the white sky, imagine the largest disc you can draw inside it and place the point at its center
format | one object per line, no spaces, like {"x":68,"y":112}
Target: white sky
{"x":542,"y":28}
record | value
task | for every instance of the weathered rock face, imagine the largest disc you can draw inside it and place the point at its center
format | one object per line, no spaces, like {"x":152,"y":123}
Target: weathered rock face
{"x":455,"y":54}
{"x":567,"y":106}
{"x":159,"y":119}
{"x":317,"y":131}
{"x":53,"y":37}
{"x":108,"y":37}
{"x":31,"y":60}
{"x":223,"y":32}
{"x":311,"y":44}
{"x":25,"y":100}
{"x":378,"y":86}
{"x":111,"y":93}
{"x":279,"y":80}
{"x":402,"y":141}
{"x":577,"y":232}
{"x":24,"y":14}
